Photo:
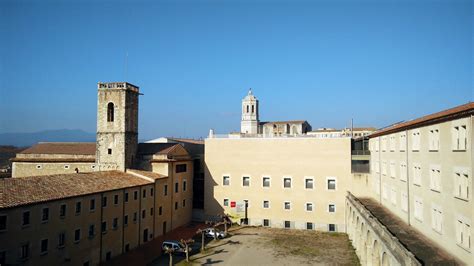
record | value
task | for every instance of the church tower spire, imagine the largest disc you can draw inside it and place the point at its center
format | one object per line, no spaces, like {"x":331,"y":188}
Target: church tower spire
{"x":250,"y":121}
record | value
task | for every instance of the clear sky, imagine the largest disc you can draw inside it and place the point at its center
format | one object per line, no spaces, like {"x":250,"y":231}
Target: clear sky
{"x":377,"y":61}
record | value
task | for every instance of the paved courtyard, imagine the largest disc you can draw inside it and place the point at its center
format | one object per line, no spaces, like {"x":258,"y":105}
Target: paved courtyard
{"x":265,"y":246}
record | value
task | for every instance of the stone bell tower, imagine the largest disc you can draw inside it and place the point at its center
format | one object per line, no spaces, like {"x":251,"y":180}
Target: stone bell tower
{"x":117,"y":125}
{"x":250,"y":121}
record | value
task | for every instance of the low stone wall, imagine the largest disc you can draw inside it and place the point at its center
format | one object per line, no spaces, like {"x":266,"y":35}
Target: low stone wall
{"x":374,"y":244}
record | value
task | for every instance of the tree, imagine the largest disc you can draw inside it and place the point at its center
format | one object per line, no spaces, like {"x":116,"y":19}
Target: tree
{"x":203,"y":243}
{"x":186,"y":246}
{"x":170,"y":251}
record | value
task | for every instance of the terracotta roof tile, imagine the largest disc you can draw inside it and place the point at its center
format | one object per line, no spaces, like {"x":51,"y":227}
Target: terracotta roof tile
{"x":76,"y":148}
{"x":30,"y":190}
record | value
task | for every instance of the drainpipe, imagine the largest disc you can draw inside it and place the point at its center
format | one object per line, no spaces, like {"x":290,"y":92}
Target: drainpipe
{"x":408,"y":178}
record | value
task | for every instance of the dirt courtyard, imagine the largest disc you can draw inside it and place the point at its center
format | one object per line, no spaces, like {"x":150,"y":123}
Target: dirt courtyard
{"x":268,"y":246}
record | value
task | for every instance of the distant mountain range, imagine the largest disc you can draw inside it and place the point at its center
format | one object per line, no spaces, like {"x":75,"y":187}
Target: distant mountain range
{"x":61,"y":135}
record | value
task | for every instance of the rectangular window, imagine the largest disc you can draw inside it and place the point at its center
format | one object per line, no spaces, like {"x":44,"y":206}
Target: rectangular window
{"x":3,"y":222}
{"x":184,"y":203}
{"x":91,"y":231}
{"x":78,"y":207}
{"x":266,"y":182}
{"x":393,"y":174}
{"x":384,"y":143}
{"x":287,"y":205}
{"x":160,"y":210}
{"x":62,"y":211}
{"x":144,"y":193}
{"x":143,"y":214}
{"x":226,"y":180}
{"x":403,"y":139}
{"x":309,"y":207}
{"x":331,"y":184}
{"x":403,"y":172}
{"x":266,"y":204}
{"x":226,"y":202}
{"x":384,"y":168}
{"x":434,"y":139}
{"x":417,"y":175}
{"x":287,"y":224}
{"x":61,"y":239}
{"x":309,"y":226}
{"x":45,"y":214}
{"x":176,"y":205}
{"x":165,"y":190}
{"x":461,"y":184}
{"x":181,"y":168}
{"x":103,"y":227}
{"x":44,"y":246}
{"x":104,"y":201}
{"x":151,"y":192}
{"x":92,"y":205}
{"x":245,"y":181}
{"x":135,"y":217}
{"x":77,"y":235}
{"x":385,"y":191}
{"x":459,"y":137}
{"x":463,"y":233}
{"x":332,"y":227}
{"x":437,"y":219}
{"x":404,"y":201}
{"x":26,"y":218}
{"x":266,"y":222}
{"x":419,"y":208}
{"x":393,"y":196}
{"x":308,"y":183}
{"x":415,"y":142}
{"x":435,"y":178}
{"x":125,"y":220}
{"x":332,"y":208}
{"x":184,"y":185}
{"x":25,"y":251}
{"x":392,"y":143}
{"x":135,"y":195}
{"x":115,"y":224}
{"x":176,"y":187}
{"x":287,"y":182}
{"x":126,"y":196}
{"x":116,"y":199}
{"x":109,"y":151}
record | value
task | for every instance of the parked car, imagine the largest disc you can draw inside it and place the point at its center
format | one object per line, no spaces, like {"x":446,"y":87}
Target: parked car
{"x":210,"y":232}
{"x":176,"y":245}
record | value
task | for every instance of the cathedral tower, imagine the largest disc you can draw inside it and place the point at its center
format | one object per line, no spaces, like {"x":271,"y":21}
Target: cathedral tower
{"x":117,"y":125}
{"x":250,"y":121}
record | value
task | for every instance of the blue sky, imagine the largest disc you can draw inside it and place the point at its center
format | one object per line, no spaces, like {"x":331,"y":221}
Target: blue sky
{"x":378,"y":62}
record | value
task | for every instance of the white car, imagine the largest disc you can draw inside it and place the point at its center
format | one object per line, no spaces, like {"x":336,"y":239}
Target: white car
{"x":175,"y":245}
{"x":211,"y":232}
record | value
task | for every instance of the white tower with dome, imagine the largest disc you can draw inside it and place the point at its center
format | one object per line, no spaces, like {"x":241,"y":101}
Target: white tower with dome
{"x":250,"y":121}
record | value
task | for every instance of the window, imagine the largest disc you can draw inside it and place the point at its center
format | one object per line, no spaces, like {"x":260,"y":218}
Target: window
{"x":287,"y":182}
{"x":404,"y":202}
{"x":384,"y":168}
{"x":151,"y":192}
{"x":38,"y":166}
{"x":61,"y":239}
{"x":419,"y":209}
{"x":434,"y":139}
{"x":25,"y":251}
{"x":266,"y":204}
{"x":144,"y":193}
{"x":115,"y":224}
{"x":417,"y":175}
{"x":77,"y":235}
{"x":461,"y":184}
{"x":392,"y":143}
{"x":332,"y":208}
{"x":459,"y":139}
{"x":44,"y":214}
{"x":184,"y":185}
{"x":26,"y":218}
{"x":437,"y":219}
{"x":393,"y":196}
{"x":160,"y":210}
{"x":384,"y":143}
{"x":104,"y":201}
{"x":463,"y":233}
{"x":226,"y":180}
{"x":125,"y":220}
{"x":435,"y":178}
{"x":309,"y":207}
{"x":331,"y":184}
{"x":165,"y":190}
{"x":126,"y":196}
{"x":109,"y":151}
{"x":245,"y":181}
{"x":415,"y":142}
{"x":181,"y":168}
{"x":176,"y":205}
{"x":143,"y":214}
{"x":91,"y":231}
{"x":385,"y":191}
{"x":332,"y":228}
{"x":116,"y":199}
{"x":176,"y":187}
{"x":110,"y":112}
{"x":287,"y":224}
{"x":309,"y":226}
{"x":266,"y":222}
{"x":184,"y":203}
{"x":127,"y":247}
{"x":287,"y":205}
{"x":392,"y":169}
{"x":108,"y":256}
{"x":403,"y":139}
{"x":135,"y":217}
{"x":135,"y":195}
{"x":308,"y":183}
{"x":226,"y":202}
{"x":66,"y":166}
{"x":92,"y":205}
{"x":377,"y":167}
{"x":403,"y":172}
{"x":266,"y":182}
{"x":62,"y":211}
{"x":103,"y":227}
{"x":78,"y":207}
{"x":3,"y":222}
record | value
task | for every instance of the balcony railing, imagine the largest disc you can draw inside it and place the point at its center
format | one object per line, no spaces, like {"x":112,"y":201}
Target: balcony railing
{"x":360,"y":152}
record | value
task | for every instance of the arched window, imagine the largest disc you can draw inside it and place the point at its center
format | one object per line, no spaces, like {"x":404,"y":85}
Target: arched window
{"x":110,"y":112}
{"x":247,"y":109}
{"x":253,"y":109}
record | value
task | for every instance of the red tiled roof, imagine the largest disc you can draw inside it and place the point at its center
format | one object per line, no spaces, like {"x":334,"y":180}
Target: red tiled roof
{"x":30,"y":190}
{"x":446,"y":115}
{"x":75,"y":148}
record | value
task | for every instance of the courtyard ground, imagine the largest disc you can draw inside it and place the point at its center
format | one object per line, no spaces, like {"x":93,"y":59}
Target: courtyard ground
{"x":268,"y":246}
